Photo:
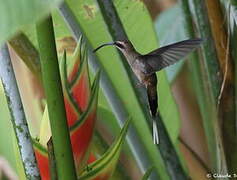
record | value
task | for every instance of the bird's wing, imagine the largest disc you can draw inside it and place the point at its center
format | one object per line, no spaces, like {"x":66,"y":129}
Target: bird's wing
{"x":167,"y":55}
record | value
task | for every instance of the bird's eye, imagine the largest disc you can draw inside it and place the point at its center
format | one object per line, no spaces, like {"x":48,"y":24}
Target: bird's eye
{"x":120,"y":45}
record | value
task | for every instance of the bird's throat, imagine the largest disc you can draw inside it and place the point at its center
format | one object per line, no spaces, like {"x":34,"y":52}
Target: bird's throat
{"x":130,"y":56}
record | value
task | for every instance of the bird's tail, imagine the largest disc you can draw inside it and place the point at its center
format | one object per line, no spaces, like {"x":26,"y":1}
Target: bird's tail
{"x":152,"y":99}
{"x":155,"y":132}
{"x":153,"y":105}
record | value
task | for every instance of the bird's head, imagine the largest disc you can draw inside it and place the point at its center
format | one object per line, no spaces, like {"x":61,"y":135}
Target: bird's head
{"x":124,"y":45}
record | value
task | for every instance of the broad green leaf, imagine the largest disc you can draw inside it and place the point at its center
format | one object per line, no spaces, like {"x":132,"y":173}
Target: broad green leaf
{"x":90,"y":18}
{"x":145,"y":44}
{"x":103,"y":168}
{"x":106,"y":118}
{"x":14,"y":15}
{"x":87,"y":13}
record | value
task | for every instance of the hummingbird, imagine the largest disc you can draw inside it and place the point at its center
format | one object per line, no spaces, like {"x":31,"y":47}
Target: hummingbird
{"x":145,"y":66}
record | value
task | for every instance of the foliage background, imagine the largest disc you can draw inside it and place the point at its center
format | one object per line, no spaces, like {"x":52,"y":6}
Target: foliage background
{"x":198,"y":112}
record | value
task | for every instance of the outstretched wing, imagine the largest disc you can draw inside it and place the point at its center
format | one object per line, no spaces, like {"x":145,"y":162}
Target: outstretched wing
{"x":168,"y":55}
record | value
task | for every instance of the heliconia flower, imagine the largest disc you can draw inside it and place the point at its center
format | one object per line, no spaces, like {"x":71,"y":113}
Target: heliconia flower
{"x":76,"y":85}
{"x":80,"y":103}
{"x":82,"y":131}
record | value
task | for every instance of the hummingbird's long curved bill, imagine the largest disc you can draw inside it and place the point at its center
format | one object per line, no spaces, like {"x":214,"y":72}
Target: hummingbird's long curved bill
{"x":106,"y":44}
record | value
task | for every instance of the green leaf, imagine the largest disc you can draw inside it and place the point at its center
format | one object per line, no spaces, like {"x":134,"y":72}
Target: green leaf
{"x":103,"y":167}
{"x":89,"y":18}
{"x":16,"y":14}
{"x":106,"y":118}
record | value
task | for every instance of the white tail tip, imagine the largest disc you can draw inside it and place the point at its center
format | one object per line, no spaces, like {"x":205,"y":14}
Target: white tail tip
{"x":155,"y":133}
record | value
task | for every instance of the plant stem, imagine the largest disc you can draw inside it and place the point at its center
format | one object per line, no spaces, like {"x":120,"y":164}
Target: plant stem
{"x":17,"y":115}
{"x":55,"y":102}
